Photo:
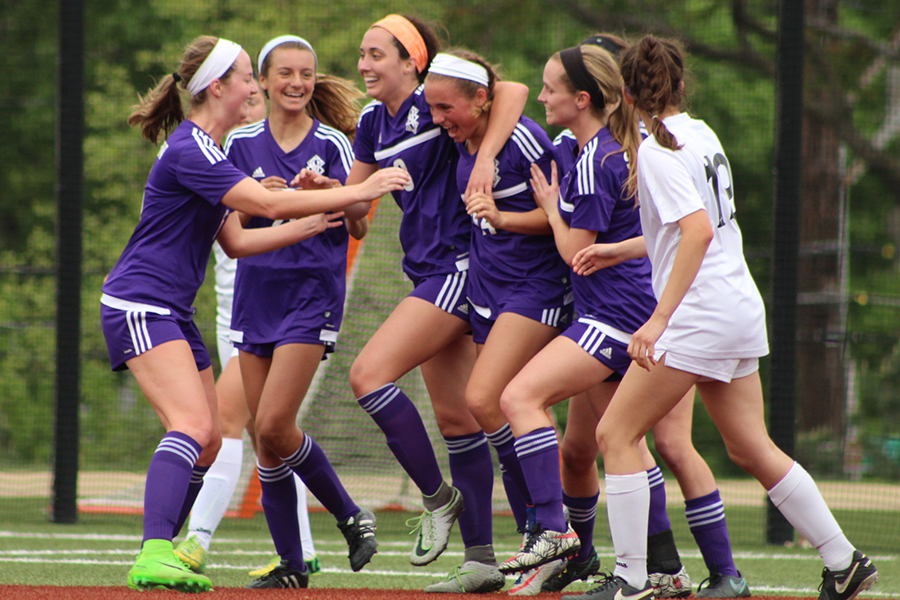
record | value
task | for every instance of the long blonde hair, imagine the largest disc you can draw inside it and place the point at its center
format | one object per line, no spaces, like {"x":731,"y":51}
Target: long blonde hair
{"x":621,"y":122}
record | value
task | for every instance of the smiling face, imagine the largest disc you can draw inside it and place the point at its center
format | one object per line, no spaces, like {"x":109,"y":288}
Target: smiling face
{"x":238,"y":88}
{"x":460,"y":115}
{"x":556,"y":96}
{"x":290,"y":78}
{"x":387,"y":76}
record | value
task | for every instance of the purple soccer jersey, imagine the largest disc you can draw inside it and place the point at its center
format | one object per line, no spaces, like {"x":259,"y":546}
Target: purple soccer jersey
{"x":299,"y":288}
{"x":506,"y":268}
{"x":591,"y":198}
{"x":566,"y":151}
{"x":435,"y":228}
{"x":165,"y":260}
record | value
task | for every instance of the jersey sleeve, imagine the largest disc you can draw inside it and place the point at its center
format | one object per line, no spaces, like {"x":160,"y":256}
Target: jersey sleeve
{"x":364,"y":142}
{"x":669,"y":183}
{"x":204,"y":169}
{"x":340,"y":157}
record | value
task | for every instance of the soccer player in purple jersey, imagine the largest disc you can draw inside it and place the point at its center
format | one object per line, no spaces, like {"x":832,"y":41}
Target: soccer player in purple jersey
{"x":519,"y":292}
{"x":146,"y":309}
{"x":708,"y":329}
{"x":428,"y":328}
{"x":288,"y":304}
{"x":544,"y":382}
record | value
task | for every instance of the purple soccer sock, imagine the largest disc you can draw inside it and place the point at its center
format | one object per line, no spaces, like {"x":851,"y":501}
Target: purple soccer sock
{"x":193,"y":489}
{"x":279,"y":501}
{"x":582,"y":515}
{"x":168,"y":479}
{"x":398,"y":418}
{"x":517,"y":494}
{"x":311,"y":464}
{"x":472,"y":470}
{"x":538,"y":453}
{"x":706,"y":518}
{"x":659,"y":518}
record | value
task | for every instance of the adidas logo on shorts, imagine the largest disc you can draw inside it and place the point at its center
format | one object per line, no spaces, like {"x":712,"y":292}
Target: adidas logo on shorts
{"x":607,"y":352}
{"x":463,"y":308}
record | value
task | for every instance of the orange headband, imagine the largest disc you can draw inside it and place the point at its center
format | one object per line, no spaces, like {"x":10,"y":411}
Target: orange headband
{"x":408,"y":36}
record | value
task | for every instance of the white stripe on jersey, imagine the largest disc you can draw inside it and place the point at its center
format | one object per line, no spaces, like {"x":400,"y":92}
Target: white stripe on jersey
{"x":450,"y":292}
{"x":407,"y":144}
{"x":212,"y":152}
{"x":526,"y":143}
{"x":568,"y":207}
{"x":516,"y":189}
{"x":565,"y":134}
{"x":118,"y":303}
{"x":584,"y":168}
{"x":247,"y":131}
{"x":330,"y":134}
{"x":369,"y":108}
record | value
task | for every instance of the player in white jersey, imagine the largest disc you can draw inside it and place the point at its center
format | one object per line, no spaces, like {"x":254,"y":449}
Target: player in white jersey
{"x":146,"y":304}
{"x":708,"y":330}
{"x":428,"y":328}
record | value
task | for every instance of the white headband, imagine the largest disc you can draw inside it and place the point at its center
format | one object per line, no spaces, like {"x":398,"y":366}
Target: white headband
{"x":216,"y":64}
{"x":453,"y":66}
{"x":283,"y":40}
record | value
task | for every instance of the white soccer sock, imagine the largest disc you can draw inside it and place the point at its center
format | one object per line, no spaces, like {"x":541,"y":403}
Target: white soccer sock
{"x":628,"y":509}
{"x":309,"y":550}
{"x":218,"y":488}
{"x":801,"y":503}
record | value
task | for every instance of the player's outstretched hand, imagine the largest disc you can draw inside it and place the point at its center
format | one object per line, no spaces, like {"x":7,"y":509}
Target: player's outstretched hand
{"x":546,"y":193}
{"x":383,"y":181}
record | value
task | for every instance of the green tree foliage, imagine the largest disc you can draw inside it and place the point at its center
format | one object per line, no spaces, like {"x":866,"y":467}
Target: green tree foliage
{"x":131,"y":44}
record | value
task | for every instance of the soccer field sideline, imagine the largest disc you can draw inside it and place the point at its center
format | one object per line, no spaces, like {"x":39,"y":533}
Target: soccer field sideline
{"x":227,"y":557}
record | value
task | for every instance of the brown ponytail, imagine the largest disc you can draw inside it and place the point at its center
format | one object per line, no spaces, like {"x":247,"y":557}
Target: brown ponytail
{"x":653,"y":72}
{"x":161,"y":109}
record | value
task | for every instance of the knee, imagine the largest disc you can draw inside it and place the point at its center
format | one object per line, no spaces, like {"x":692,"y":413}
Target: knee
{"x":270,"y":431}
{"x":578,"y":458}
{"x":512,"y":401}
{"x":675,"y":452}
{"x":210,"y":451}
{"x":484,"y":408}
{"x":364,"y":378}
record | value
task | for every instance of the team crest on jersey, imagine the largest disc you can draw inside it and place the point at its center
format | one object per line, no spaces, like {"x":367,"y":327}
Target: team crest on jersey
{"x":258,"y":173}
{"x":316,"y":165}
{"x":412,"y":120}
{"x":496,"y":172}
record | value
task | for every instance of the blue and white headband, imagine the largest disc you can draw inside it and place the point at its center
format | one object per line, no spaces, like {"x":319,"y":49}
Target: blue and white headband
{"x":216,"y":64}
{"x":283,"y":40}
{"x":454,"y":66}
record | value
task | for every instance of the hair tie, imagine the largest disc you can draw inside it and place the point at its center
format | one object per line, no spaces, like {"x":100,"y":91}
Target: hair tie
{"x":176,"y":76}
{"x":284,"y":39}
{"x":581,"y":78}
{"x":454,"y":66}
{"x":409,"y":37}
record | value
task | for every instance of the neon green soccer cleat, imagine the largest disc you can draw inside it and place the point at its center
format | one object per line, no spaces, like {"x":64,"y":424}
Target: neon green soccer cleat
{"x":157,"y":568}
